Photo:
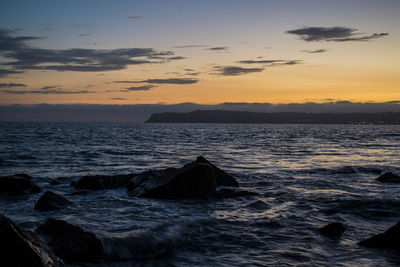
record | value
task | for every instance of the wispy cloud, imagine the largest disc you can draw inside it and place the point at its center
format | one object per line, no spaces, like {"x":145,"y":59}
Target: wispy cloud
{"x":139,"y":88}
{"x":18,"y":56}
{"x":218,"y":48}
{"x":84,"y":34}
{"x":234,"y":70}
{"x":333,"y":34}
{"x":163,"y":81}
{"x":134,"y":17}
{"x":45,"y":92}
{"x":271,"y":62}
{"x":118,"y":98}
{"x":317,"y":51}
{"x":190,"y":46}
{"x":10,"y":85}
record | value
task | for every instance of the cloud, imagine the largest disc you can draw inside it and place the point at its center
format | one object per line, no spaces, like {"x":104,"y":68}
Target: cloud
{"x":139,"y":88}
{"x":163,"y":81}
{"x":10,"y":85}
{"x":315,"y":51}
{"x":45,"y":92}
{"x":190,"y":46}
{"x":271,"y":62}
{"x":234,"y":70}
{"x":333,"y":34}
{"x":18,"y":56}
{"x":48,"y":87}
{"x":171,"y":81}
{"x":84,"y":34}
{"x":118,"y":98}
{"x":134,"y":17}
{"x":176,"y":58}
{"x":4,"y":72}
{"x":218,"y":48}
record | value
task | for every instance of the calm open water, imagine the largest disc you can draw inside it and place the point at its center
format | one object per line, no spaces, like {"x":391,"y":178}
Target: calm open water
{"x":305,"y":175}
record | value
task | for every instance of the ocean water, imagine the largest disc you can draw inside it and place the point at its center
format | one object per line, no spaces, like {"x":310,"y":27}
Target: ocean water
{"x":305,"y":176}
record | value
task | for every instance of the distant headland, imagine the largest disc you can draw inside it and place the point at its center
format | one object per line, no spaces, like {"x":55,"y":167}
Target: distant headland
{"x":223,"y":116}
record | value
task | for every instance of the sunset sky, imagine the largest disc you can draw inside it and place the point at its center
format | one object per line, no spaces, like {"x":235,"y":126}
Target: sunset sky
{"x":206,"y":52}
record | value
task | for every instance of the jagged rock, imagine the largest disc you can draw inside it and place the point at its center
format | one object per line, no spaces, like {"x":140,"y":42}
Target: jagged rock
{"x":18,"y":184}
{"x":70,"y":242}
{"x":334,"y":229}
{"x":389,"y":177}
{"x":19,"y":247}
{"x":100,"y":182}
{"x":51,"y":201}
{"x":221,"y":177}
{"x":388,"y":239}
{"x":198,"y":179}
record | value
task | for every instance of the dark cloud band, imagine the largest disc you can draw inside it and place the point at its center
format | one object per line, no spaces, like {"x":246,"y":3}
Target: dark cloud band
{"x":333,"y":34}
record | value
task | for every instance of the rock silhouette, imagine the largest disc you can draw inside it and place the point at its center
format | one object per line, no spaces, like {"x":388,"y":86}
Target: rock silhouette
{"x":100,"y":182}
{"x":51,"y":201}
{"x":334,"y":229}
{"x":19,"y":247}
{"x":70,"y":242}
{"x":198,"y":179}
{"x":388,"y":239}
{"x":389,"y":177}
{"x":18,"y":184}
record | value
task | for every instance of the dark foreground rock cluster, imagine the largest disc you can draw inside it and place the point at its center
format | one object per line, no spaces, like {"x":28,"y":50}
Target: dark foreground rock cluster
{"x":19,"y":247}
{"x":56,"y":242}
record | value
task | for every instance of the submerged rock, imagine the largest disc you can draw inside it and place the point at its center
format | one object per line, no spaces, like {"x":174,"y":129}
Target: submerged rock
{"x":334,"y":229}
{"x":389,"y":177}
{"x":51,"y":201}
{"x":70,"y":242}
{"x":100,"y":182}
{"x":19,"y":247}
{"x":198,"y":179}
{"x":388,"y":239}
{"x":18,"y":184}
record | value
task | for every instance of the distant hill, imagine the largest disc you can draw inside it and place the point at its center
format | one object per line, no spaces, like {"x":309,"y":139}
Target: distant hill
{"x":222,"y":116}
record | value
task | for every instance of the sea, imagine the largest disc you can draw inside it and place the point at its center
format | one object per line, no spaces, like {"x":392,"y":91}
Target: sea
{"x":304,"y":177}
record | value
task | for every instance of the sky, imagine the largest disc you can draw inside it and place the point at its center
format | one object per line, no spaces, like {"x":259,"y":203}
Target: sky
{"x":204,"y":52}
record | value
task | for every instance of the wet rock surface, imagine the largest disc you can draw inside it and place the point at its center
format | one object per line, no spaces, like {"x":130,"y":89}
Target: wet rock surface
{"x":389,"y":177}
{"x":100,"y":182}
{"x":198,"y":179}
{"x":334,"y":229}
{"x":70,"y":242}
{"x":51,"y":201}
{"x":19,"y":247}
{"x":18,"y":184}
{"x":389,"y":239}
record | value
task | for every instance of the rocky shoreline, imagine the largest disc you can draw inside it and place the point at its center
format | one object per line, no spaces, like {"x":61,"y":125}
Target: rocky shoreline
{"x":57,"y":242}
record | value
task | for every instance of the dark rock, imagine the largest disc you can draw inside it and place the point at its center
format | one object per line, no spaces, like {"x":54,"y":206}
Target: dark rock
{"x":389,"y":177}
{"x":388,"y":239}
{"x":70,"y":242}
{"x":19,"y":247}
{"x":198,"y":179}
{"x":51,"y":201}
{"x":334,"y":229}
{"x":221,"y":177}
{"x":18,"y":184}
{"x":100,"y":182}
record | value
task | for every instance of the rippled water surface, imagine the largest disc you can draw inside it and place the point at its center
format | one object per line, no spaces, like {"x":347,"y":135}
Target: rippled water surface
{"x":305,"y":176}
